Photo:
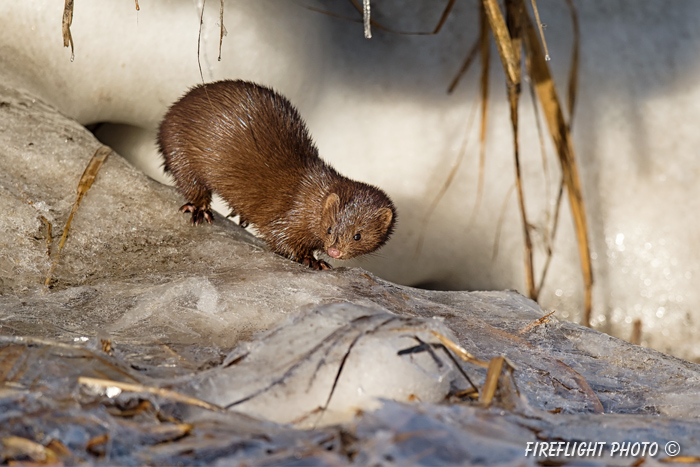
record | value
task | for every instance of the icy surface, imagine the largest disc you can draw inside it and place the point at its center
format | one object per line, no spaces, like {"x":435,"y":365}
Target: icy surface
{"x":316,"y":368}
{"x":354,"y":350}
{"x":379,"y":111}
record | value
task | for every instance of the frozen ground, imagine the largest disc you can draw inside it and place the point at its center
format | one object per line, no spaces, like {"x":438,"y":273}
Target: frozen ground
{"x":379,"y":111}
{"x":316,"y":368}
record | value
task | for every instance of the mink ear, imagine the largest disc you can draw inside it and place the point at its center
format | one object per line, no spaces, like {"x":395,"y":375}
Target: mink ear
{"x":330,"y":204}
{"x":386,"y":217}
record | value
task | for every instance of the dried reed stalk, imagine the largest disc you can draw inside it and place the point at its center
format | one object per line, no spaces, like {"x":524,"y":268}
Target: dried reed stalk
{"x":561,"y":136}
{"x":509,"y":43}
{"x":86,"y":181}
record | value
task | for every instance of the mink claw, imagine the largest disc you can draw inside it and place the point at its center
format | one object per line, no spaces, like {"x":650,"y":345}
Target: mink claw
{"x":201,"y":215}
{"x":189,"y":207}
{"x":317,"y":264}
{"x":198,"y":214}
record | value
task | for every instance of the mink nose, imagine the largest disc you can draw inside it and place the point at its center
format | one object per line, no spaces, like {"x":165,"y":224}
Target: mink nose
{"x":334,"y":253}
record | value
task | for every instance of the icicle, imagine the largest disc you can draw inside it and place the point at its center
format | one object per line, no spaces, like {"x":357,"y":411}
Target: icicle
{"x":366,"y":15}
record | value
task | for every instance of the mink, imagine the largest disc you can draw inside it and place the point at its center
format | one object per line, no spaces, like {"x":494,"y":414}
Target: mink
{"x":249,"y":144}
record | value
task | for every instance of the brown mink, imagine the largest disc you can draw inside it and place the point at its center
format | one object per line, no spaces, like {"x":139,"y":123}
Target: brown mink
{"x":249,"y":144}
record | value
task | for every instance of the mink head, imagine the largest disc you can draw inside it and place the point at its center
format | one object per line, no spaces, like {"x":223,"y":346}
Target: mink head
{"x":356,"y":220}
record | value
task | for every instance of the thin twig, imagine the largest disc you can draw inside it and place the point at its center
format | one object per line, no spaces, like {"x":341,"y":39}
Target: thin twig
{"x":537,"y":322}
{"x":199,"y":60}
{"x":573,"y":70}
{"x":485,"y":62}
{"x":465,"y":66}
{"x":223,"y":28}
{"x":165,"y":393}
{"x":49,"y":239}
{"x":445,"y":14}
{"x":84,"y":185}
{"x":199,"y":41}
{"x":552,"y":235}
{"x":460,"y":351}
{"x":497,"y":236}
{"x":448,"y":181}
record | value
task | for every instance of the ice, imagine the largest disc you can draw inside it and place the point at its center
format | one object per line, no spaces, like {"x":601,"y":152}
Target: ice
{"x":379,"y":112}
{"x":304,"y":367}
{"x":338,"y":357}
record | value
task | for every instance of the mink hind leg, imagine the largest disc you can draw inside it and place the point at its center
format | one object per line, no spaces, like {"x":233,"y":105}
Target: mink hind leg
{"x":198,"y":198}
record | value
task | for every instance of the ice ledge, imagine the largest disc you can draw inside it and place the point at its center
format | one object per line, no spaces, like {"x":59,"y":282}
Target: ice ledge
{"x":140,"y":296}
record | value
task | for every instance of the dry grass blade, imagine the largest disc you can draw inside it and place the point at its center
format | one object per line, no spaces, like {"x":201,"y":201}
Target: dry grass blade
{"x":680,"y":460}
{"x":636,"y":337}
{"x":540,"y":27}
{"x":514,"y":13}
{"x":199,"y":43}
{"x":331,"y":14}
{"x":499,"y":224}
{"x":165,"y":393}
{"x":503,"y":42}
{"x":47,"y":223}
{"x":529,"y":266}
{"x":65,"y":26}
{"x":552,"y":234}
{"x":537,"y":322}
{"x":445,"y":14}
{"x":49,"y":238}
{"x":223,"y":28}
{"x":460,"y":351}
{"x":88,"y":177}
{"x":573,"y":71}
{"x":559,"y":130}
{"x":448,"y":181}
{"x":465,"y":66}
{"x":15,"y":447}
{"x":485,"y":66}
{"x":84,"y":185}
{"x":540,"y":132}
{"x":10,"y":355}
{"x":95,"y":445}
{"x":488,"y":391}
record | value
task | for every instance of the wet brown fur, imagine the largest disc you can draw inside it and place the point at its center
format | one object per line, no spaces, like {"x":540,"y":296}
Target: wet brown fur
{"x":248,"y":144}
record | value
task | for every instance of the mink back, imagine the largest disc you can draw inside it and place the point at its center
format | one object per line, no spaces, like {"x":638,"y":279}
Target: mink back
{"x":238,"y":138}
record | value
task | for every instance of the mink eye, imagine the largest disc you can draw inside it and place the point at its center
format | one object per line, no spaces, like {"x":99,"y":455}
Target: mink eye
{"x":357,"y":237}
{"x":329,"y":230}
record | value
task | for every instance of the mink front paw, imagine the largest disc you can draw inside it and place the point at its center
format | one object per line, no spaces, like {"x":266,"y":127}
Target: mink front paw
{"x":199,"y":215}
{"x":317,"y":264}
